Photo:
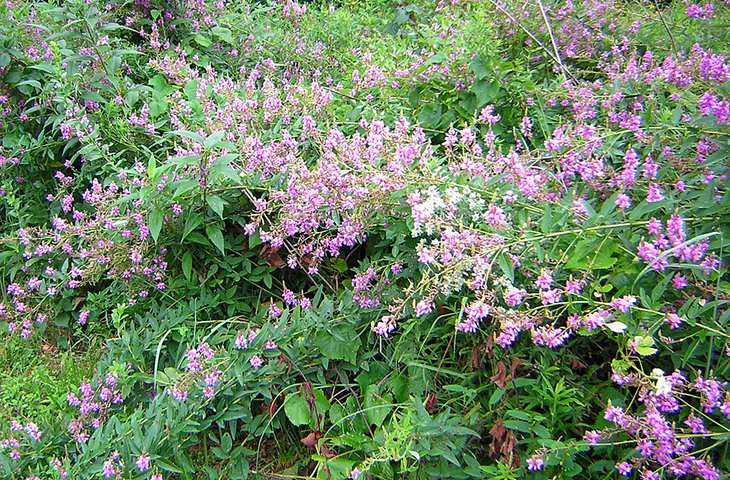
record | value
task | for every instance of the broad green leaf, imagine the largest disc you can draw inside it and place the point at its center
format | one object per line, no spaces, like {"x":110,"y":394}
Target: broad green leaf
{"x":216,"y":203}
{"x":296,"y":409}
{"x":216,"y":237}
{"x":203,"y":41}
{"x":343,"y":344}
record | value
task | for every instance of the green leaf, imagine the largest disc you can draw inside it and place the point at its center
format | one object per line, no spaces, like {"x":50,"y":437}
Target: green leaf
{"x":222,"y":34}
{"x":203,"y":41}
{"x":496,"y":396}
{"x":216,"y":204}
{"x":340,"y":265}
{"x":430,"y":115}
{"x":519,"y":425}
{"x":191,"y":224}
{"x":485,"y":91}
{"x":169,"y":466}
{"x":644,"y":345}
{"x":343,"y":344}
{"x":216,"y":237}
{"x":480,"y":68}
{"x":157,"y":217}
{"x":505,"y":263}
{"x":376,"y":405}
{"x":296,"y":409}
{"x":187,"y":264}
{"x":213,"y":140}
{"x":191,"y":135}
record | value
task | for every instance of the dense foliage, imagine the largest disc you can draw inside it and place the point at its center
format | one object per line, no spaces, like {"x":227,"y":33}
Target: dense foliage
{"x":464,"y":239}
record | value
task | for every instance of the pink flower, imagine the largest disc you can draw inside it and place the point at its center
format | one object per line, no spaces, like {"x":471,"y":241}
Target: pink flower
{"x":549,"y":297}
{"x":679,"y":282}
{"x":143,"y":463}
{"x":623,"y":201}
{"x":674,"y":321}
{"x":592,"y":437}
{"x":653,"y":194}
{"x":514,"y":296}
{"x":544,"y":280}
{"x":623,"y":303}
{"x":256,"y":362}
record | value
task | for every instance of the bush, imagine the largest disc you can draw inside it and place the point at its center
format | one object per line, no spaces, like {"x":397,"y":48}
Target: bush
{"x":453,"y":240}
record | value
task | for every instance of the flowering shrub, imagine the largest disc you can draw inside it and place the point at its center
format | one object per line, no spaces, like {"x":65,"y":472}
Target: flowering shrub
{"x":452,"y":240}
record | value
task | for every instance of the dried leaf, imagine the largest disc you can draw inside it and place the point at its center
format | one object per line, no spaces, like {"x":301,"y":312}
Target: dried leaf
{"x":308,"y":261}
{"x":272,"y":258}
{"x":476,"y":361}
{"x":431,"y":403}
{"x":500,"y":377}
{"x":270,"y":407}
{"x":503,"y":445}
{"x":576,"y":364}
{"x":310,"y":441}
{"x":516,"y":363}
{"x":498,"y":433}
{"x":326,"y":452}
{"x":509,"y":444}
{"x":489,"y":347}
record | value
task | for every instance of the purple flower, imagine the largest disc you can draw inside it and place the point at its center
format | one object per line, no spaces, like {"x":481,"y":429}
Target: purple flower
{"x":143,"y":462}
{"x":614,"y":414}
{"x":514,"y":296}
{"x":623,"y":201}
{"x":653,"y":194}
{"x":544,"y":280}
{"x":623,"y":304}
{"x":385,"y":327}
{"x":535,"y":463}
{"x":549,"y":297}
{"x":696,"y":424}
{"x":624,"y":468}
{"x":592,"y":437}
{"x":424,"y":307}
{"x":256,"y":362}
{"x":674,"y":321}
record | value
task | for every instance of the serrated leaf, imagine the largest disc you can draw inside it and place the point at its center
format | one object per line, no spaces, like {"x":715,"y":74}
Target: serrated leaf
{"x":646,"y":351}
